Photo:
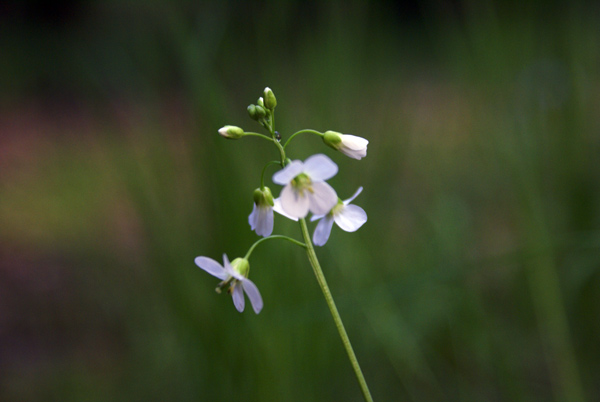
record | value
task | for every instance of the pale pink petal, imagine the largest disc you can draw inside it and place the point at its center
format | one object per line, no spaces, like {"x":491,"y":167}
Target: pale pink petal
{"x":279,"y":209}
{"x":293,"y":203}
{"x":349,"y":200}
{"x":285,"y":175}
{"x":229,"y":269}
{"x":253,"y":217}
{"x":319,"y":168}
{"x":212,"y":267}
{"x":238,"y":298}
{"x":264,"y":222}
{"x":322,"y":231}
{"x":316,"y":217}
{"x":253,"y":294}
{"x":322,"y":198}
{"x":350,"y":218}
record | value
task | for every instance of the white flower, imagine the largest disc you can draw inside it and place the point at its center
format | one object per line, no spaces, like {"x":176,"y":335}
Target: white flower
{"x":347,"y":216}
{"x":234,"y":275}
{"x":350,"y":145}
{"x":261,"y":218}
{"x":305,"y":188}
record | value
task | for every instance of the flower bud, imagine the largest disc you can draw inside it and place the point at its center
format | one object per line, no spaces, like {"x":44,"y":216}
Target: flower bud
{"x":231,"y":132}
{"x":252,"y":112}
{"x":350,"y":145}
{"x":260,"y":102}
{"x":270,"y":101}
{"x":263,"y":197}
{"x":260,"y":112}
{"x":241,"y":266}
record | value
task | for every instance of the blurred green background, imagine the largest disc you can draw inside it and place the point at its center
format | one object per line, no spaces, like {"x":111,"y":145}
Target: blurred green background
{"x":475,"y":279}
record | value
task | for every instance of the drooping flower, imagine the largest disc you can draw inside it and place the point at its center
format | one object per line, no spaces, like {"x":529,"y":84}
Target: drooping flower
{"x":350,"y":145}
{"x":348,"y":217}
{"x":233,"y":275}
{"x":261,"y":218}
{"x":305,"y":188}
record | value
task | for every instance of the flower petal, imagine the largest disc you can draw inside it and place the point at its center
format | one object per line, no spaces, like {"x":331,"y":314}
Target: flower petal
{"x":238,"y":298}
{"x":253,"y":294}
{"x":279,"y":209}
{"x":293,"y":203}
{"x":322,"y":198}
{"x":316,"y":217}
{"x":212,"y":267}
{"x":229,"y":269}
{"x":349,"y":200}
{"x":322,"y":231}
{"x":350,"y":218}
{"x":319,"y":168}
{"x":253,"y":217}
{"x":354,"y":142}
{"x":285,"y":175}
{"x":264,"y":223}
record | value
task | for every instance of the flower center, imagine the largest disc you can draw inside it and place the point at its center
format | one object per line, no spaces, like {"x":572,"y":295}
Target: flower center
{"x":337,"y":208}
{"x":302,"y":182}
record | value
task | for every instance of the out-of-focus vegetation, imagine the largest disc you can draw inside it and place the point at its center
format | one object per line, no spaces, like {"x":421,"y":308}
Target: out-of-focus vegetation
{"x":475,"y":279}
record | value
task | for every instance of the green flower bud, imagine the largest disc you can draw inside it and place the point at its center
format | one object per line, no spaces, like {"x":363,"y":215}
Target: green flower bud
{"x":260,"y":102}
{"x":252,"y":112}
{"x":270,"y":101}
{"x":263,"y":197}
{"x":332,"y":139}
{"x":241,"y":266}
{"x":231,"y":132}
{"x":260,"y":112}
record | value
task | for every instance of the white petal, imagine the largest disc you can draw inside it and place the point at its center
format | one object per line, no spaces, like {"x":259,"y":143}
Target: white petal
{"x":319,"y":168}
{"x":264,"y":223}
{"x":350,"y":218}
{"x":285,"y":175}
{"x":349,"y":200}
{"x":293,"y":203}
{"x":238,"y":298}
{"x":253,"y":294}
{"x":229,"y":269}
{"x":279,"y":209}
{"x":252,"y":218}
{"x":354,"y":142}
{"x":315,"y":217}
{"x":322,"y":231}
{"x":322,"y":198}
{"x":212,"y":267}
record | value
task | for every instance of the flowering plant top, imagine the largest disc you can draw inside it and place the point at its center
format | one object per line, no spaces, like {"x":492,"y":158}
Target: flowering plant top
{"x":305,"y":189}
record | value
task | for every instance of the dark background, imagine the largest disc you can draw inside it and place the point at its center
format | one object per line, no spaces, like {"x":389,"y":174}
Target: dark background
{"x":475,"y":278}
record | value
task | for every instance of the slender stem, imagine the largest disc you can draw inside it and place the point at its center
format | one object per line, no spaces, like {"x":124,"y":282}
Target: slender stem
{"x":262,"y":175}
{"x":314,"y":262}
{"x":258,"y":135}
{"x":296,"y":242}
{"x":301,"y":132}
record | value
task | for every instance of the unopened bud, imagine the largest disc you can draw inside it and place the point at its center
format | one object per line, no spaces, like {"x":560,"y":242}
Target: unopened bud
{"x":231,"y":132}
{"x":270,"y":100}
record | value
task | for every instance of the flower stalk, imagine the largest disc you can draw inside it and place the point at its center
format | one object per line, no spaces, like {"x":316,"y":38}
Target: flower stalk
{"x":314,"y":262}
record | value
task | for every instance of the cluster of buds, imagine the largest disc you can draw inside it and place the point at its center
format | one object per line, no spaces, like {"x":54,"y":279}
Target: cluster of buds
{"x":305,"y":190}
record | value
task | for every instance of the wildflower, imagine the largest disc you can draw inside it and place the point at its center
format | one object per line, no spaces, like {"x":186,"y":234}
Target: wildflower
{"x":234,"y":275}
{"x":305,"y":188}
{"x":350,"y":145}
{"x":231,"y":132}
{"x":261,"y":218}
{"x":347,"y":216}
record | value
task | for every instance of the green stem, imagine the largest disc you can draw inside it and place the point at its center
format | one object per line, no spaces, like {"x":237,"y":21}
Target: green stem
{"x":296,"y":242}
{"x":314,"y":262}
{"x":258,"y":135}
{"x":309,"y":131}
{"x":262,"y":175}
